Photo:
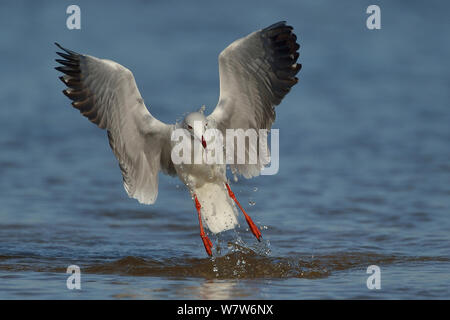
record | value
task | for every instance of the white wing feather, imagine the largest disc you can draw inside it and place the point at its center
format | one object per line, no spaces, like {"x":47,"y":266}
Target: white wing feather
{"x":256,"y":72}
{"x":106,"y":93}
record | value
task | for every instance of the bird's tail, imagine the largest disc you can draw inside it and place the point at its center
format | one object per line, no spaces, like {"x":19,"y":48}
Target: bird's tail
{"x":218,"y":210}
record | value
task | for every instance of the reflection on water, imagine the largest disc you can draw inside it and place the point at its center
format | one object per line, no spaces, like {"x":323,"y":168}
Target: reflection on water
{"x":216,"y":289}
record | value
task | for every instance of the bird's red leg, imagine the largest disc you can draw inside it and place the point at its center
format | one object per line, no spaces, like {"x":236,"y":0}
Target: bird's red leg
{"x":249,"y":220}
{"x":205,"y":239}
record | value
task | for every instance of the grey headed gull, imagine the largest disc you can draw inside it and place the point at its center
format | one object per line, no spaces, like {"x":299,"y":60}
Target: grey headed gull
{"x":256,"y":72}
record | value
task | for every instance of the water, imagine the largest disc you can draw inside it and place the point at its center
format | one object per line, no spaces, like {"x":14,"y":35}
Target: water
{"x":364,"y":157}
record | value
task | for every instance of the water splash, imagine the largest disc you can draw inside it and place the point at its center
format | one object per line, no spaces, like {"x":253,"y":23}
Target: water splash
{"x":202,"y":109}
{"x":240,"y":263}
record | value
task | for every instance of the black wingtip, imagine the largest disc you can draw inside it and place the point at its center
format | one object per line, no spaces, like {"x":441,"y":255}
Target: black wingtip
{"x":67,"y":63}
{"x":68,"y":70}
{"x":58,"y":45}
{"x":62,"y":79}
{"x":67,"y":56}
{"x":276,"y":25}
{"x":66,"y":50}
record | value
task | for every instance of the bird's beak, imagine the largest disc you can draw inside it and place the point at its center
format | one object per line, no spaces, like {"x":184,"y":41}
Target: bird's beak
{"x":203,"y":143}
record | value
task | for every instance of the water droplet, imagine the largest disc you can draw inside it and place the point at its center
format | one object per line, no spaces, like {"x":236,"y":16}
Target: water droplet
{"x":255,"y":189}
{"x":252,"y":203}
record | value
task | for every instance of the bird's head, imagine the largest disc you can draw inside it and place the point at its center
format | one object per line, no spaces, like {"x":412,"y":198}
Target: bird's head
{"x":196,"y":124}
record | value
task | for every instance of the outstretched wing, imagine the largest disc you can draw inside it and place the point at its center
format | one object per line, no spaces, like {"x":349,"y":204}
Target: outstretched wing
{"x":256,"y":72}
{"x":106,"y":93}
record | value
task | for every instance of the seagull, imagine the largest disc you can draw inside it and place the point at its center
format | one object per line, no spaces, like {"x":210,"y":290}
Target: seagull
{"x":256,"y":72}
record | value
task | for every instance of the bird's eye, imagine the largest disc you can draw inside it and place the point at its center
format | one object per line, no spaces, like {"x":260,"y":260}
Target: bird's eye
{"x":189,"y":127}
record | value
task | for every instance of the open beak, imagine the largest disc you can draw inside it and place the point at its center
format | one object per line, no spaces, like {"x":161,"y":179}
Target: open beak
{"x":203,"y":143}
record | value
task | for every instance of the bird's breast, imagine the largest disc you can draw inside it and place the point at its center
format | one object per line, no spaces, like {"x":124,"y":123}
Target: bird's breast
{"x":195,"y":175}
